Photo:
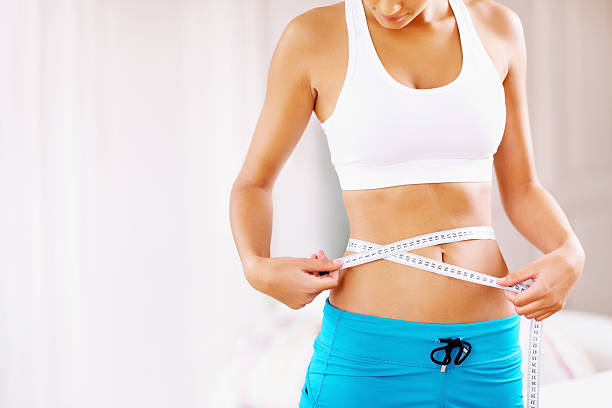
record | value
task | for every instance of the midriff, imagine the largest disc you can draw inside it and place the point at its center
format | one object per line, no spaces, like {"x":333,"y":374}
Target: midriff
{"x":388,"y":289}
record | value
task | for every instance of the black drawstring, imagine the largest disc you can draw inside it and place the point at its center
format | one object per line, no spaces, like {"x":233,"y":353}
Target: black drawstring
{"x":451,"y":343}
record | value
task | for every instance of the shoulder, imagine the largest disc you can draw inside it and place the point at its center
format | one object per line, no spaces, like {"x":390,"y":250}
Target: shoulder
{"x":307,"y":42}
{"x":504,"y":29}
{"x":308,"y":31}
{"x":499,"y":19}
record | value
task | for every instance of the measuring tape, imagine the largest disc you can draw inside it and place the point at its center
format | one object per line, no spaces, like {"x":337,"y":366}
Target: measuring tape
{"x":397,"y":252}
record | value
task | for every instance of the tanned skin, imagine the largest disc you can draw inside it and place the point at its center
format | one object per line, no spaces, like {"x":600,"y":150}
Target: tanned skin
{"x":421,"y":50}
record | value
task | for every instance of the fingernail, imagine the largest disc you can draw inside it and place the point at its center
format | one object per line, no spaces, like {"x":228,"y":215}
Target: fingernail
{"x":338,"y":262}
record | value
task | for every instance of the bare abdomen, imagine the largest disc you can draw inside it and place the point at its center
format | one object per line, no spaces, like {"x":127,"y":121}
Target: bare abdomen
{"x":388,"y":289}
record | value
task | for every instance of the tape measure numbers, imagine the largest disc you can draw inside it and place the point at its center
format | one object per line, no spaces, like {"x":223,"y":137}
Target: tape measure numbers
{"x":397,"y":252}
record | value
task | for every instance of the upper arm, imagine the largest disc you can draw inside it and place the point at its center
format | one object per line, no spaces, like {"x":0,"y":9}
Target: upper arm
{"x":514,"y":160}
{"x":287,"y":108}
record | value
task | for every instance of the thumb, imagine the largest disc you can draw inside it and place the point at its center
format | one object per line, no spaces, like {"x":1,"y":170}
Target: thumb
{"x":320,"y":265}
{"x":517,"y":276}
{"x":321,"y":283}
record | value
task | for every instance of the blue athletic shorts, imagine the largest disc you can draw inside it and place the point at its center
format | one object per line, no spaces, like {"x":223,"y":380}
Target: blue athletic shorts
{"x":370,"y":361}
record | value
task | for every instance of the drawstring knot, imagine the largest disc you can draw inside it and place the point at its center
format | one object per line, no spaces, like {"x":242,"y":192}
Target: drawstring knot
{"x":464,"y":347}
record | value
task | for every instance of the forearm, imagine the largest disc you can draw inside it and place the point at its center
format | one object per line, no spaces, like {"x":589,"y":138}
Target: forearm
{"x":251,"y":211}
{"x":535,"y":213}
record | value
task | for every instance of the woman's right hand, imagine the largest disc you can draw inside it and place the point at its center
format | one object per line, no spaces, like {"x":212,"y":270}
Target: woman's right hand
{"x":293,"y":281}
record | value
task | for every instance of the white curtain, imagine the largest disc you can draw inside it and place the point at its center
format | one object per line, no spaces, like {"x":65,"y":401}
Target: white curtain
{"x":123,"y":125}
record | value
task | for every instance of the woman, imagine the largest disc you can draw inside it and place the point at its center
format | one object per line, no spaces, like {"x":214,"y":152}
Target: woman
{"x":419,"y":100}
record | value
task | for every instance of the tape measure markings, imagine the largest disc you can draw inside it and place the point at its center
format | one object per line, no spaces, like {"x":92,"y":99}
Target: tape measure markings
{"x":398,"y":252}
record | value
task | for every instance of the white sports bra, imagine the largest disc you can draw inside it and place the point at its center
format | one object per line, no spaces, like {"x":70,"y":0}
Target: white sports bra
{"x":383,"y":133}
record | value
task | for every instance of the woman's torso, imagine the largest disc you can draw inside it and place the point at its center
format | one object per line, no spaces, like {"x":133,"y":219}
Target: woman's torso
{"x":388,"y":289}
{"x":384,"y":215}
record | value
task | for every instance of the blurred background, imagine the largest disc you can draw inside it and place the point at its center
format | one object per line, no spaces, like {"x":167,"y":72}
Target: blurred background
{"x":123,"y":126}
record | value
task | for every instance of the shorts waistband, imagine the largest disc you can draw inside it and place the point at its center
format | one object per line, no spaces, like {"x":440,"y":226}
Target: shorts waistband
{"x":373,"y":338}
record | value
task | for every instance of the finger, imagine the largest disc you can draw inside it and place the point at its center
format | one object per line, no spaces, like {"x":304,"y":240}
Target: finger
{"x":321,"y":255}
{"x":511,"y":296}
{"x":538,"y":313}
{"x":517,"y":276}
{"x":314,"y":256}
{"x":317,"y":265}
{"x":537,"y":306}
{"x":544,"y":315}
{"x":540,"y":318}
{"x":533,"y":293}
{"x":321,"y":283}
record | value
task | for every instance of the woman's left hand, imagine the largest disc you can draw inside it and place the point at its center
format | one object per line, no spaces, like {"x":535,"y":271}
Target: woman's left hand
{"x":553,"y":275}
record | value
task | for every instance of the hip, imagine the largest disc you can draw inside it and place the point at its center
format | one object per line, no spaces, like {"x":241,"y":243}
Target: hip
{"x":392,"y":362}
{"x":399,"y":342}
